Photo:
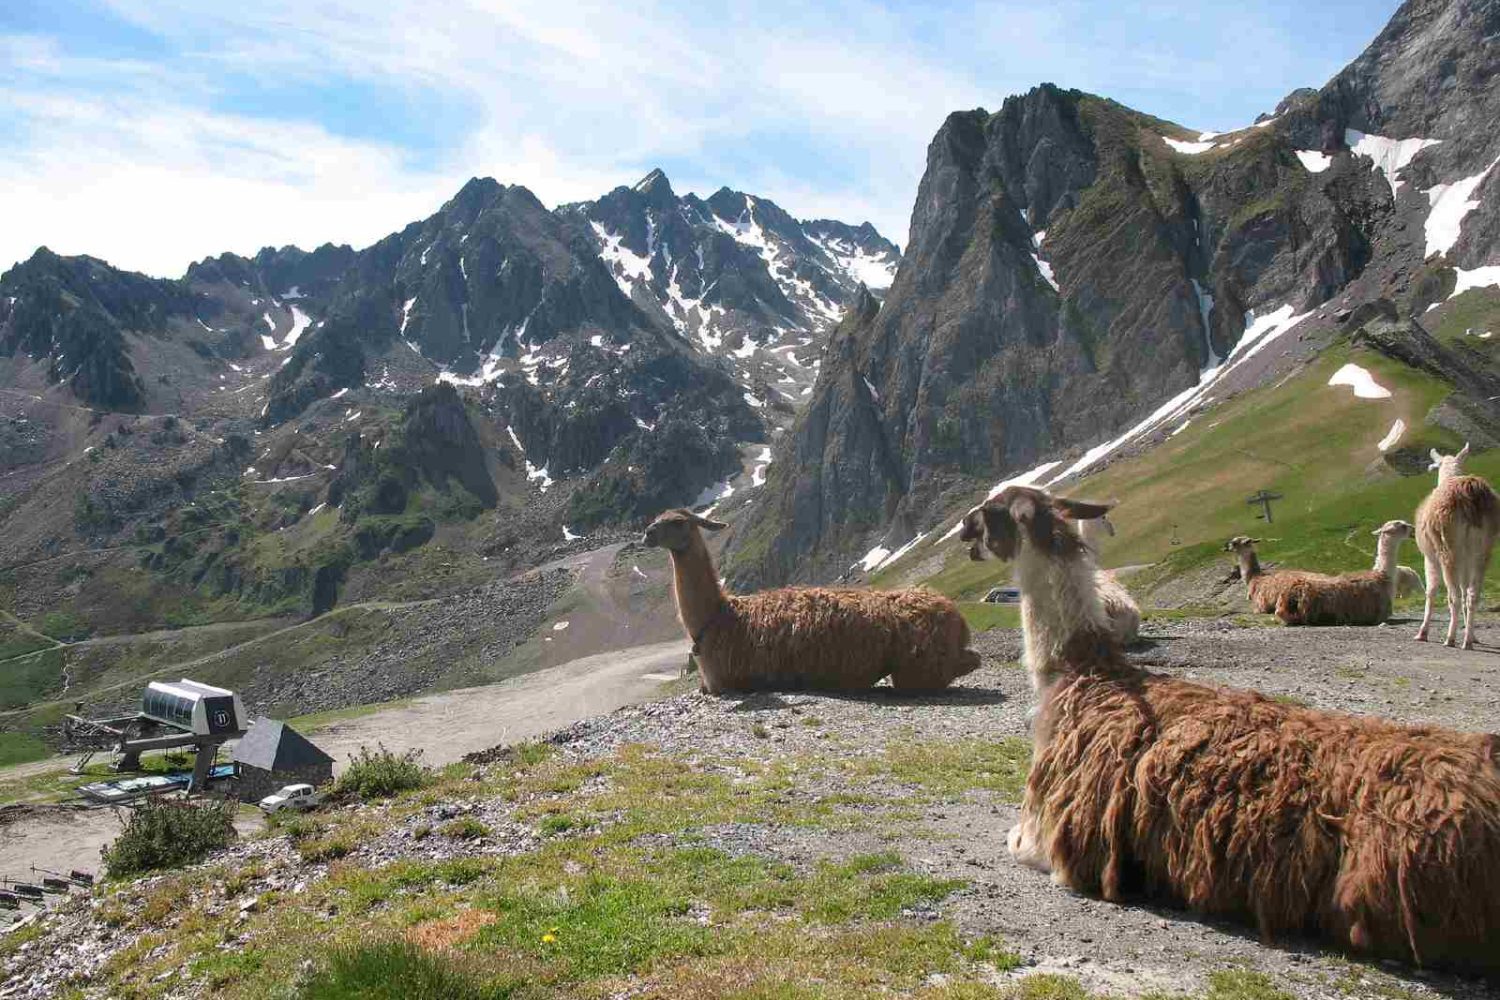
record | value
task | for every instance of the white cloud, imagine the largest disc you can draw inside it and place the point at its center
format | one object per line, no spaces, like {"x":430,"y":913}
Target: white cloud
{"x":827,"y":109}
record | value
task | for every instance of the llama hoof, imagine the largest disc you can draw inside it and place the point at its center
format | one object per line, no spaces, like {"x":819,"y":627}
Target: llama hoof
{"x":1448,"y":643}
{"x":1420,"y":637}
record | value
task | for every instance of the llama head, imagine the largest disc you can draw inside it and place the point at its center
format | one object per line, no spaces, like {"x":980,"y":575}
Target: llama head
{"x":675,"y":530}
{"x":1023,"y":516}
{"x":1241,"y":543}
{"x":1396,"y":530}
{"x":1448,"y":466}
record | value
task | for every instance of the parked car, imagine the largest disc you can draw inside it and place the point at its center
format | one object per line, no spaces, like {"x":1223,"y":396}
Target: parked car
{"x":1003,"y":595}
{"x":291,"y":797}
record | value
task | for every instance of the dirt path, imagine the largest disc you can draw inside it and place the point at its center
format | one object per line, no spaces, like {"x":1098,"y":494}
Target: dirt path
{"x":443,"y":726}
{"x":448,"y":725}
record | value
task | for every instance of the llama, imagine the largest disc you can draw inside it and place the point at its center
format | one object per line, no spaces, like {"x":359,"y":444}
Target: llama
{"x":1456,"y":529}
{"x":1302,"y":598}
{"x":808,"y":638}
{"x":1124,"y":614}
{"x":1408,"y":582}
{"x":1377,"y":838}
{"x":1263,"y":589}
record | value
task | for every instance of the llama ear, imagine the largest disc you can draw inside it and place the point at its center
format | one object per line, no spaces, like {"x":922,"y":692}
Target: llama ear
{"x":707,"y":524}
{"x":1109,"y":525}
{"x":1463,"y":452}
{"x":1437,"y":459}
{"x":1082,"y":510}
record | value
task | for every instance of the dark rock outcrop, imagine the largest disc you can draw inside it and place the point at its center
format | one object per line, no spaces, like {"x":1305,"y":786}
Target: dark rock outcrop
{"x":1068,"y":270}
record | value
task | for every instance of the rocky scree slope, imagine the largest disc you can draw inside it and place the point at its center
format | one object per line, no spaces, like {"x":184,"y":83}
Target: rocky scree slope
{"x":1073,"y":264}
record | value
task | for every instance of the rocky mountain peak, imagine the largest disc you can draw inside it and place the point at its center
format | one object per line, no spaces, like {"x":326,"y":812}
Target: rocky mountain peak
{"x":656,"y":188}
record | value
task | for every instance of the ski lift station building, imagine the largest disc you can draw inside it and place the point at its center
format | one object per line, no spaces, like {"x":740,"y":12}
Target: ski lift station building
{"x":201,"y":709}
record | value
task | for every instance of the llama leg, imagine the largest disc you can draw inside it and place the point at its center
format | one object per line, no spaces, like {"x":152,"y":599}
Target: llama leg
{"x":1452,"y":592}
{"x":1431,"y":581}
{"x":1470,"y":598}
{"x":1471,"y":603}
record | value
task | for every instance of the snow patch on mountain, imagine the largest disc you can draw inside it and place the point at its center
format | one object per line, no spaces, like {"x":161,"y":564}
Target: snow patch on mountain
{"x":874,"y":272}
{"x":625,"y":264}
{"x":1388,"y":155}
{"x":1361,"y":381}
{"x":1449,"y":204}
{"x":1313,"y":160}
{"x":1190,"y":148}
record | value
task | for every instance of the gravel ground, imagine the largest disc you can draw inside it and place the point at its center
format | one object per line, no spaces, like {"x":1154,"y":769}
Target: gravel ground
{"x":1119,"y":949}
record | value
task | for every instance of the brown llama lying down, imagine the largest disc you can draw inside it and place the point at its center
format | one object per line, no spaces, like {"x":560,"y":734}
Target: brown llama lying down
{"x":1298,"y":597}
{"x":806,"y":638}
{"x":1377,"y":838}
{"x":1456,"y":529}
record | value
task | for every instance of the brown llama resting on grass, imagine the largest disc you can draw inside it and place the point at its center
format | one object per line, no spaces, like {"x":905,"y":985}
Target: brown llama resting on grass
{"x":1299,"y":597}
{"x":808,"y":638}
{"x":1377,"y":838}
{"x":1456,"y":529}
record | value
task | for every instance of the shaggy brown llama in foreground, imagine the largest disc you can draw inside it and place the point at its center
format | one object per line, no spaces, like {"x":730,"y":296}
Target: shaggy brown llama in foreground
{"x":808,"y":638}
{"x":1379,"y":838}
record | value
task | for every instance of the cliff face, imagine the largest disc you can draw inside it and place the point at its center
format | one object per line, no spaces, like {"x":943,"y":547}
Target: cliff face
{"x":1072,"y":264}
{"x":1068,"y":269}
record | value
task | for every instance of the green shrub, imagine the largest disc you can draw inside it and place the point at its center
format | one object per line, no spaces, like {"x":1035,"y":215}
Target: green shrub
{"x":329,"y":848}
{"x":464,"y":828}
{"x":296,"y":826}
{"x":64,"y":626}
{"x":398,"y":970}
{"x":169,"y":833}
{"x":381,"y":773}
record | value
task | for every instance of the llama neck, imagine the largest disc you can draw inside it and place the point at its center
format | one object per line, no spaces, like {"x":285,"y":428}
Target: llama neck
{"x":699,"y":595}
{"x":1067,"y":631}
{"x":1249,"y":565}
{"x":1385,"y":560}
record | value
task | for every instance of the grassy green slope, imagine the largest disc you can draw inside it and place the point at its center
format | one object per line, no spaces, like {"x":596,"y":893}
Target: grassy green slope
{"x":1313,"y":443}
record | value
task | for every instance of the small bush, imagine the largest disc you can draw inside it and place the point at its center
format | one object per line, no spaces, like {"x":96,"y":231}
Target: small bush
{"x":464,"y":828}
{"x":551,"y":826}
{"x":381,"y":773}
{"x":296,"y":826}
{"x":329,"y":848}
{"x":169,"y":833}
{"x":398,"y":970}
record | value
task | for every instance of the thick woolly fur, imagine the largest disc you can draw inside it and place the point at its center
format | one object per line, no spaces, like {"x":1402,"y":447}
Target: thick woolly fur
{"x":1302,"y":598}
{"x":1124,"y":614}
{"x":805,"y":638}
{"x":1456,"y":529}
{"x":1377,"y":838}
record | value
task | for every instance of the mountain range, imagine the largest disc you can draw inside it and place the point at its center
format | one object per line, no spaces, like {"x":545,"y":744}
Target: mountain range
{"x":503,"y":386}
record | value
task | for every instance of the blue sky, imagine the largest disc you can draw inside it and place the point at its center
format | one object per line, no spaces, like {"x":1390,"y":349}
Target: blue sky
{"x":155,"y":132}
